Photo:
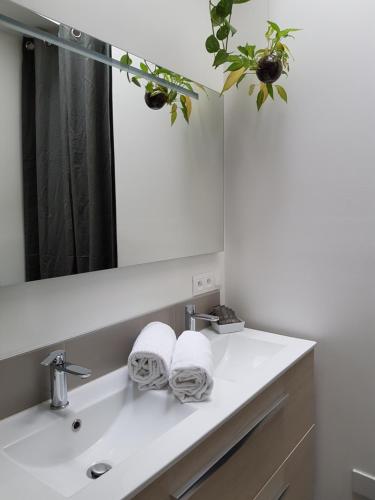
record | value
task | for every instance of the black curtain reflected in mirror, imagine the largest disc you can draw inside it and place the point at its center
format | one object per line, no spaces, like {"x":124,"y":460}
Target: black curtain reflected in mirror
{"x":68,"y":160}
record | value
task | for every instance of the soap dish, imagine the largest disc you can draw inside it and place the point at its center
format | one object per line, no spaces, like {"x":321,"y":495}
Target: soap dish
{"x":229,"y":328}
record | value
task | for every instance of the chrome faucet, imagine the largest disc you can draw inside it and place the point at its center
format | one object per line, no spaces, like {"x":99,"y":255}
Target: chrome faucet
{"x":58,"y":373}
{"x":191,"y":316}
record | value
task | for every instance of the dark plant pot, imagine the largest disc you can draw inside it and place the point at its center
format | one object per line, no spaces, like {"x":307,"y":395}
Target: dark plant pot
{"x":269,"y":69}
{"x":155,"y":101}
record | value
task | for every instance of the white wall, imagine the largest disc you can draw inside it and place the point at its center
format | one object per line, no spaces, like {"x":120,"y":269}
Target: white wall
{"x":12,"y":257}
{"x":169,"y":180}
{"x":171,"y":33}
{"x":300,"y":218}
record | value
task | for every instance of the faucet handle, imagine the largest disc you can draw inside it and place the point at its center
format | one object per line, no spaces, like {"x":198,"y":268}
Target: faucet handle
{"x":77,"y":370}
{"x":57,"y":357}
{"x":207,"y":317}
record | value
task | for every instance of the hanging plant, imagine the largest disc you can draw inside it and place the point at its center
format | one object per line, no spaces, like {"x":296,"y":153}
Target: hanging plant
{"x":157,"y":96}
{"x":268,"y":64}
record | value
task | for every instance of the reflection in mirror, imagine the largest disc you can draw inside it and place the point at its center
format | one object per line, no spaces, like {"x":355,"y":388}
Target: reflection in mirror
{"x":68,"y":159}
{"x":93,"y":178}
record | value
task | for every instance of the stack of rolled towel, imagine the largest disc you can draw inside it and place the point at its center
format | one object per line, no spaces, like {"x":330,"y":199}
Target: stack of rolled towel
{"x":192,"y":367}
{"x":150,"y":360}
{"x":186,"y":364}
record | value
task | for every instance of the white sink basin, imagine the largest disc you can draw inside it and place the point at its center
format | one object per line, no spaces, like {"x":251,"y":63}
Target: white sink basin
{"x":112,"y":429}
{"x":236,"y":356}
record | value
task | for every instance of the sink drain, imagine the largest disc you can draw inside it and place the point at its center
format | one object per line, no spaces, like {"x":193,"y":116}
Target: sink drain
{"x":76,"y":425}
{"x":98,"y":470}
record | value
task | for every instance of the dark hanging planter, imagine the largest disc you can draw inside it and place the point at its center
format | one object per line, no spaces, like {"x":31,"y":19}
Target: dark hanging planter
{"x":155,"y":100}
{"x":269,"y":68}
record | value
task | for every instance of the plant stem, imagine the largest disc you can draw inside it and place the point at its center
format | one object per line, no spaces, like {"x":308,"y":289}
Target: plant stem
{"x":230,"y":17}
{"x":146,"y":63}
{"x":210,"y":4}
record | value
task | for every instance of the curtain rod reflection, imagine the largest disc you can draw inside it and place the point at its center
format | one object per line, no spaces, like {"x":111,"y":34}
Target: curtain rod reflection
{"x":66,"y":44}
{"x":75,"y":33}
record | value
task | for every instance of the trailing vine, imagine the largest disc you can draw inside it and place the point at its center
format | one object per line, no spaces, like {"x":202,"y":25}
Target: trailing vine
{"x":267,"y":63}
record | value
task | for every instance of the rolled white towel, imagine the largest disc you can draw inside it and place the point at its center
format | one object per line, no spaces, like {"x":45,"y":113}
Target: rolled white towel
{"x":191,"y":376}
{"x":150,"y":359}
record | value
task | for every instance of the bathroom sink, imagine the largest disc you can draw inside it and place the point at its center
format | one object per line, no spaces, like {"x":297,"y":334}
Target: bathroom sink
{"x":112,"y":439}
{"x":106,"y":430}
{"x":237,"y":355}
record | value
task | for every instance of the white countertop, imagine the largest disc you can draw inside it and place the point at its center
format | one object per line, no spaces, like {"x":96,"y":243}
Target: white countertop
{"x":130,"y":476}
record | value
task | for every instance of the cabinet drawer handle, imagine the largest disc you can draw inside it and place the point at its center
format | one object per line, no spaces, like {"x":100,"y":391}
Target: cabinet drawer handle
{"x":280,"y":495}
{"x":216,"y":463}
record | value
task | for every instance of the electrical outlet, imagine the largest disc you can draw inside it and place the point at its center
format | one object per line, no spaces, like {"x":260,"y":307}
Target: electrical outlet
{"x":203,"y":283}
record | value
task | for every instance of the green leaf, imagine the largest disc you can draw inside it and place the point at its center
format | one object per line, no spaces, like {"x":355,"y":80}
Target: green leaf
{"x":224,"y":8}
{"x":269,"y":33}
{"x":247,"y":50}
{"x":270,"y":89}
{"x":126,"y":59}
{"x":242,"y":49}
{"x":251,"y":50}
{"x":173,"y":113}
{"x":261,"y":52}
{"x":184,"y":108}
{"x":220,"y":58}
{"x":189,"y":106}
{"x":188,"y":86}
{"x":215,"y":18}
{"x":144,"y":67}
{"x":282,"y":93}
{"x":184,"y":112}
{"x":212,"y":44}
{"x":136,"y":81}
{"x":252,"y":88}
{"x":223,"y":32}
{"x":285,"y":33}
{"x":150,"y":87}
{"x":235,"y":66}
{"x":162,"y":89}
{"x":233,"y":58}
{"x":260,"y":99}
{"x":241,"y":1}
{"x":262,"y":95}
{"x":240,"y":79}
{"x":160,"y":70}
{"x":232,"y":79}
{"x":246,"y":63}
{"x":274,"y":26}
{"x":171,"y":96}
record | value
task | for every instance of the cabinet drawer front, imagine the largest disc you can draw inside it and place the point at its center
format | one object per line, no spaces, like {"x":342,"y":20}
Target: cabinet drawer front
{"x":231,"y":456}
{"x":295,"y":478}
{"x":219,"y":468}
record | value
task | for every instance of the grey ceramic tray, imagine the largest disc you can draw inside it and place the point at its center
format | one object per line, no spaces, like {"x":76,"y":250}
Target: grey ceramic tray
{"x":230,"y":328}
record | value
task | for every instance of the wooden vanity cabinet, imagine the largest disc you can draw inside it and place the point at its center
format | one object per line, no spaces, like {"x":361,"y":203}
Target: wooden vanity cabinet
{"x":263,"y":452}
{"x":294,"y":480}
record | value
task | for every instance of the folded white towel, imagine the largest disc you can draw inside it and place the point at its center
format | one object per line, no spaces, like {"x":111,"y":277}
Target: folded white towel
{"x":150,"y":359}
{"x":192,"y":368}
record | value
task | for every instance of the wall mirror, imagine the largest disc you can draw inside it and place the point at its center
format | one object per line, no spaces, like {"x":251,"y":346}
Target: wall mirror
{"x":91,"y":177}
